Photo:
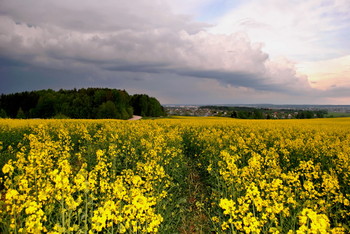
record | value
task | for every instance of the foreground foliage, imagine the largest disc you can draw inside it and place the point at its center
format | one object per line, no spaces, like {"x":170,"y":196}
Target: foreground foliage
{"x":252,"y":176}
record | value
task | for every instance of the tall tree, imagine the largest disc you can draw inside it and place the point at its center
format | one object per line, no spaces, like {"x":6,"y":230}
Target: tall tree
{"x":20,"y":114}
{"x":107,"y":110}
{"x":146,"y":106}
{"x":3,"y":113}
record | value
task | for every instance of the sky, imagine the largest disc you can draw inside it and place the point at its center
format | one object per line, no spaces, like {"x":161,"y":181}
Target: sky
{"x":183,"y":51}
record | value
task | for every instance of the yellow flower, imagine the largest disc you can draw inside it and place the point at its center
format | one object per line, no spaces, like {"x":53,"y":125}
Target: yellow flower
{"x":224,"y":226}
{"x":11,"y":193}
{"x":8,"y":168}
{"x":215,"y":219}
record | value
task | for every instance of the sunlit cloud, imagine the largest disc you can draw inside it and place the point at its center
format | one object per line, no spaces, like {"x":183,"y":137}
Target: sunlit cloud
{"x":326,"y":74}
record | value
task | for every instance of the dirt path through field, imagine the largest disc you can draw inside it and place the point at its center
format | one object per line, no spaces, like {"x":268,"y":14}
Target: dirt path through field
{"x":195,"y":220}
{"x":135,"y":117}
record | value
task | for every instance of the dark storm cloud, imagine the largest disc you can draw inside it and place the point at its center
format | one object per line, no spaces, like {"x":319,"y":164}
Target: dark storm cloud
{"x":334,"y":92}
{"x":5,"y":62}
{"x":239,"y":79}
{"x":18,"y":79}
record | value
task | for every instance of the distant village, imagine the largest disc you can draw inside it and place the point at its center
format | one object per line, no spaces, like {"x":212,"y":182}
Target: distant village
{"x":261,"y":111}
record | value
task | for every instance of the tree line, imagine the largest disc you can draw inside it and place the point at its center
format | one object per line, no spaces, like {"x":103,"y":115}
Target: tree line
{"x":264,"y":113}
{"x":90,"y":103}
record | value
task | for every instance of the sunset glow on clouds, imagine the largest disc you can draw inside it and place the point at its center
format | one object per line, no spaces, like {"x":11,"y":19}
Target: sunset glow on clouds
{"x":327,"y":74}
{"x":181,"y":51}
{"x":311,"y":33}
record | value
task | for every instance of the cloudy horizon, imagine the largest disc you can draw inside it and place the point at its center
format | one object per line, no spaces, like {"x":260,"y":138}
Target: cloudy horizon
{"x":181,"y":52}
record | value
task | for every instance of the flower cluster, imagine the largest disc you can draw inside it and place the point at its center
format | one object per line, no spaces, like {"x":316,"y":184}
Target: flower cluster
{"x":78,"y":177}
{"x":277,"y":176}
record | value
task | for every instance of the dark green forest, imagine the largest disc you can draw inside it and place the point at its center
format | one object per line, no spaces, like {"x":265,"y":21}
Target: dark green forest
{"x":90,"y":103}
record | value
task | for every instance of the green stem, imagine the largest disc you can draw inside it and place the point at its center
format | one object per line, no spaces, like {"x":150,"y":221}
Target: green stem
{"x":62,"y":214}
{"x":86,"y":213}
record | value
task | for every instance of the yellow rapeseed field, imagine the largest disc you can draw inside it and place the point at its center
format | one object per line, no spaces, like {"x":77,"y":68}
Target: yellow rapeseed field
{"x":111,"y":176}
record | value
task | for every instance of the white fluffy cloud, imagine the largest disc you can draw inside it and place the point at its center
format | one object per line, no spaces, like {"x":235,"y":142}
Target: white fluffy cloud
{"x":302,"y":29}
